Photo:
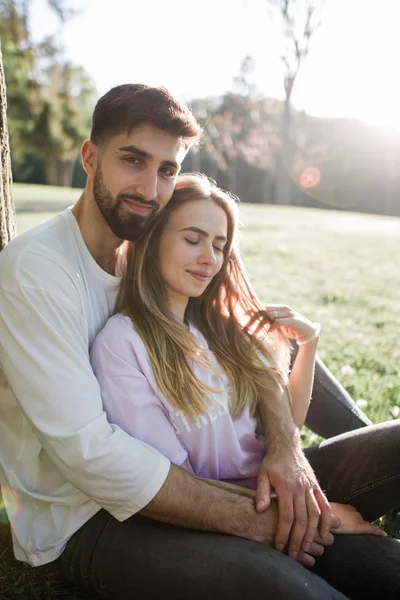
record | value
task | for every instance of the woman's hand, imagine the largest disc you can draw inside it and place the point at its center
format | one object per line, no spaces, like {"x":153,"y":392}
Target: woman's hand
{"x":291,"y":323}
{"x":351,"y":521}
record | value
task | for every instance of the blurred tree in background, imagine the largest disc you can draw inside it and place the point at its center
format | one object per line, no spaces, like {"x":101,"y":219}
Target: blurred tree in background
{"x":298,"y":20}
{"x":50,"y":100}
{"x":262,"y":149}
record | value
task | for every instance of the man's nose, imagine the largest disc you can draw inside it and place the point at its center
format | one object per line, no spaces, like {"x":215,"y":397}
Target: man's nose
{"x":147,"y":185}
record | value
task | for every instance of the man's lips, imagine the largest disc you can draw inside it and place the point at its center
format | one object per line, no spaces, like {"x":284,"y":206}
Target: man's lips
{"x":199,"y":276}
{"x":139,"y":207}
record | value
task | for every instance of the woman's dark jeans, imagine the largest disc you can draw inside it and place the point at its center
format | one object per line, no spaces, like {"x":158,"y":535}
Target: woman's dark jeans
{"x":332,"y":411}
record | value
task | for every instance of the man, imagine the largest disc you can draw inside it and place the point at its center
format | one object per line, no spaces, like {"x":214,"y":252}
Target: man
{"x":79,"y":481}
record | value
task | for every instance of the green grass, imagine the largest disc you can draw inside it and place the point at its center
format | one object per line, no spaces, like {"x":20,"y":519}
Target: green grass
{"x":342,"y":269}
{"x":27,"y":220}
{"x":34,"y":197}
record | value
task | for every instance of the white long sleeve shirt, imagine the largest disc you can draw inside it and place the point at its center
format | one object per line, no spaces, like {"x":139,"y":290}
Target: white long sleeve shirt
{"x":60,"y":459}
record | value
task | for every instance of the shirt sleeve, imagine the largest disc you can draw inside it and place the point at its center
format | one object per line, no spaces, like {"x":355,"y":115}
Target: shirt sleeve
{"x":121,"y":365}
{"x":45,"y":359}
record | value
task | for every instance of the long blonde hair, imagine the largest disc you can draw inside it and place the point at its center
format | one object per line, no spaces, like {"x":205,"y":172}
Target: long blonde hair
{"x":228,"y":314}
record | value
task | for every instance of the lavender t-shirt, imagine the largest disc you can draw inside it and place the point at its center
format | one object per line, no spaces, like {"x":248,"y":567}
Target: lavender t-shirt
{"x":215,"y":445}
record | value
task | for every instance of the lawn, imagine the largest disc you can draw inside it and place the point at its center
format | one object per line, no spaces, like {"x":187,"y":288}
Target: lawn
{"x":43,"y":197}
{"x":342,"y":269}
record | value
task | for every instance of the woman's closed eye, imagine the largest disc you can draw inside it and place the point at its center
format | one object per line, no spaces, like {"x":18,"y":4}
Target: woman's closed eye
{"x":196,"y":242}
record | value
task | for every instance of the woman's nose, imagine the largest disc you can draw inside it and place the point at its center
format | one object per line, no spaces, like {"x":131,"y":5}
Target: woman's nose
{"x":208,"y":256}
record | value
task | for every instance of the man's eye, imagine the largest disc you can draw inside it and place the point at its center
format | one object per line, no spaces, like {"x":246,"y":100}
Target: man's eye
{"x":168,"y":172}
{"x":132,"y":160}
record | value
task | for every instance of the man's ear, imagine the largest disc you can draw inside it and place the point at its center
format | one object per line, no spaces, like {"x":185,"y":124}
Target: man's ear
{"x":89,"y":155}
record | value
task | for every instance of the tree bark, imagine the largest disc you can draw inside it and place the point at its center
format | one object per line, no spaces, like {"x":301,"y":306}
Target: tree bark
{"x":285,"y":160}
{"x":66,"y":172}
{"x":51,"y":170}
{"x":7,"y":210}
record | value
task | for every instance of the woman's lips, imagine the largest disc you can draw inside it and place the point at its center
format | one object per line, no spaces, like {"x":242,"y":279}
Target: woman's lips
{"x":199,"y":276}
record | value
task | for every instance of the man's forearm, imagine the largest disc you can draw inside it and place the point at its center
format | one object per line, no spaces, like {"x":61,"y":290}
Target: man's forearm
{"x":277,"y":423}
{"x":191,"y":502}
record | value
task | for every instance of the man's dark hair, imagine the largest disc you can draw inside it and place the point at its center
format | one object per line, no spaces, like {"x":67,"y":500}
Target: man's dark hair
{"x":126,"y":106}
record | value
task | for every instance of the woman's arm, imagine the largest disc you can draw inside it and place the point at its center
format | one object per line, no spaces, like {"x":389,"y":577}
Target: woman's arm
{"x":301,"y":381}
{"x":306,"y":334}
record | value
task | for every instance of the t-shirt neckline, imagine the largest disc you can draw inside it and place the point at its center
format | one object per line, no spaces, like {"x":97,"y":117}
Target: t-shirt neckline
{"x":88,"y":258}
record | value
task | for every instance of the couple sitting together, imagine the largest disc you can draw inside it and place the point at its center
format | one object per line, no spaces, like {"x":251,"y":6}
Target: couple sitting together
{"x":151,"y":405}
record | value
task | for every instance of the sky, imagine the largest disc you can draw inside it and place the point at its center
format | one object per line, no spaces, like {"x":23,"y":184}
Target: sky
{"x":195,"y":49}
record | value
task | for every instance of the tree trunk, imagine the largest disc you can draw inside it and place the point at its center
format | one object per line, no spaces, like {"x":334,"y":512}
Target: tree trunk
{"x":285,"y":160}
{"x":232,"y":172}
{"x":267,"y":187}
{"x":7,"y":210}
{"x":66,"y":172}
{"x":51,"y":170}
{"x":196,"y":161}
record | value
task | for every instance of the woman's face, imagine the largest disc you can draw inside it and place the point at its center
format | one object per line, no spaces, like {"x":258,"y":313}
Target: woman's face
{"x":191,"y":250}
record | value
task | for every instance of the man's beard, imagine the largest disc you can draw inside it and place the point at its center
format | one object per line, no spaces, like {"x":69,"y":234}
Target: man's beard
{"x":124,"y":225}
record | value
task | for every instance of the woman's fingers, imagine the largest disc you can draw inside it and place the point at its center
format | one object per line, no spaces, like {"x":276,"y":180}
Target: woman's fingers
{"x":351,"y":522}
{"x":307,"y":558}
{"x":368,"y":528}
{"x":327,"y":519}
{"x":283,"y":322}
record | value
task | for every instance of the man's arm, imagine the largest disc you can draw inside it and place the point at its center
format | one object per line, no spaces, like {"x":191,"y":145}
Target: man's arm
{"x":44,"y":357}
{"x":188,"y":501}
{"x":302,"y":505}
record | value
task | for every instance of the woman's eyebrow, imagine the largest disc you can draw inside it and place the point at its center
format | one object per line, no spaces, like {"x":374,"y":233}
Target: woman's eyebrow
{"x":222,"y":238}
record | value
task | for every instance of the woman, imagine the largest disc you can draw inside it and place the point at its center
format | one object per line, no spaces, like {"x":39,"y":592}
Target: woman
{"x":191,"y":350}
{"x":194,"y":324}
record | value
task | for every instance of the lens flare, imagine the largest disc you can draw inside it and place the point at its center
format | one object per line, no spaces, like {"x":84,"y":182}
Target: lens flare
{"x":9,"y":499}
{"x":310,"y":177}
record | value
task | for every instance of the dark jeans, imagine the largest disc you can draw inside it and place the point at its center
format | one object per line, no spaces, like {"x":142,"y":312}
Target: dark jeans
{"x":143,"y":559}
{"x":332,"y":411}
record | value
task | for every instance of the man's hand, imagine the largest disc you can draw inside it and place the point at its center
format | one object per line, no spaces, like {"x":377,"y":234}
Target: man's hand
{"x":351,"y":521}
{"x":305,"y":516}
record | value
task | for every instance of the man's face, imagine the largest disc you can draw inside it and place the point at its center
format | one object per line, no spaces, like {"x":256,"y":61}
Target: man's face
{"x":135,"y":177}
